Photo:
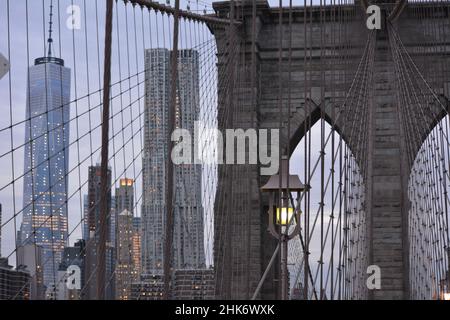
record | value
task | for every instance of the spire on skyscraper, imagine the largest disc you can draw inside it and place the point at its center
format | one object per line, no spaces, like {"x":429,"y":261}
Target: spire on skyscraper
{"x":49,"y":58}
{"x":50,"y":40}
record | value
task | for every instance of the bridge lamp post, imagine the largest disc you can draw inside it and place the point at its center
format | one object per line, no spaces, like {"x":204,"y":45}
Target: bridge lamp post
{"x":282,"y":212}
{"x":446,"y":295}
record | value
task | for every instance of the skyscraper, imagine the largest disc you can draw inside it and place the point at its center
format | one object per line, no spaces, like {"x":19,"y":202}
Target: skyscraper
{"x":188,"y":247}
{"x":92,"y":219}
{"x":46,"y":160}
{"x":125,"y":195}
{"x":126,"y":268}
{"x":29,"y":258}
{"x":112,"y":217}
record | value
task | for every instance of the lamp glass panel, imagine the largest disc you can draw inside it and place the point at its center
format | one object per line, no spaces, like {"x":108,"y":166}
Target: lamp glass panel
{"x":284,"y":215}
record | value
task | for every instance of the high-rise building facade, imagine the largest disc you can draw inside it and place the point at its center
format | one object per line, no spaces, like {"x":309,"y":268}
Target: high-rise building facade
{"x":14,"y":284}
{"x":126,"y":269}
{"x":136,"y":245}
{"x":149,"y":287}
{"x":196,"y":284}
{"x":92,"y":219}
{"x":126,"y":273}
{"x":187,"y":284}
{"x":46,"y":161}
{"x":112,"y":238}
{"x":188,"y":247}
{"x":30,"y":258}
{"x":112,"y":219}
{"x":125,"y":195}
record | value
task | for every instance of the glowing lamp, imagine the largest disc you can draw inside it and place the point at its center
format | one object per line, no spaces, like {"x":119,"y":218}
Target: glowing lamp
{"x":282,"y":189}
{"x":284,"y":215}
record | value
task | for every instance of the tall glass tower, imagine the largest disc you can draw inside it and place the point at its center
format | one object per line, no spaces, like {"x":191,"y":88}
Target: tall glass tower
{"x":46,"y":160}
{"x":188,"y":246}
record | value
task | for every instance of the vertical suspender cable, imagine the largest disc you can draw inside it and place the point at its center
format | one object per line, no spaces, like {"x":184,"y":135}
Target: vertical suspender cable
{"x":101,"y":246}
{"x":169,"y":189}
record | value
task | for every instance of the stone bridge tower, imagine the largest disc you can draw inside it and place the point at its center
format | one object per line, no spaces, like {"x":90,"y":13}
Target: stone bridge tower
{"x":241,"y":260}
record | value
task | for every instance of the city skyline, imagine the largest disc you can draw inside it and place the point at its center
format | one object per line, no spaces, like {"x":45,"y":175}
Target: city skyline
{"x":112,"y":109}
{"x":87,"y":80}
{"x":52,"y":290}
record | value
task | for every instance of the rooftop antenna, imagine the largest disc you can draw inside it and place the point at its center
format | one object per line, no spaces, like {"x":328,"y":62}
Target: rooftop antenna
{"x":50,"y":40}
